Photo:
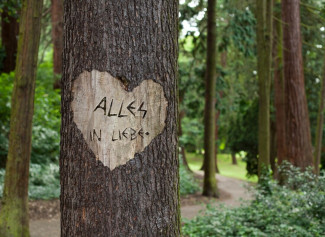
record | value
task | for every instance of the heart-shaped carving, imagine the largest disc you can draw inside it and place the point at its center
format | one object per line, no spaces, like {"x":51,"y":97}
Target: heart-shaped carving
{"x":116,"y":123}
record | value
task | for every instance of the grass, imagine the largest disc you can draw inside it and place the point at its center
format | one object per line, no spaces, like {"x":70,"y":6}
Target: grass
{"x":226,"y":168}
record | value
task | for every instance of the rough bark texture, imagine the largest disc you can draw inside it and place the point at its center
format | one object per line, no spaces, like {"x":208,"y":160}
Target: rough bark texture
{"x":14,"y":219}
{"x":9,"y":34}
{"x":320,"y":124}
{"x":264,"y":63}
{"x":57,"y":37}
{"x":210,"y":183}
{"x":298,"y":138}
{"x":279,"y":101}
{"x":133,"y":41}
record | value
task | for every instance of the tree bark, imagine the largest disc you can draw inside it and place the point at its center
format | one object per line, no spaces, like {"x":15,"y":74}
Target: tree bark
{"x":279,"y":89}
{"x":210,"y":183}
{"x":264,"y":64}
{"x":9,"y":33}
{"x":298,"y":138}
{"x":233,"y":158}
{"x":57,"y":37}
{"x":14,"y":220}
{"x":320,"y":124}
{"x":135,"y":42}
{"x":216,"y":143}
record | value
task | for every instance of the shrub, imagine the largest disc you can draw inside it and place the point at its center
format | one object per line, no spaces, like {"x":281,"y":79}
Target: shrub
{"x":281,"y":211}
{"x":188,"y":184}
{"x":46,"y":119}
{"x":44,"y":181}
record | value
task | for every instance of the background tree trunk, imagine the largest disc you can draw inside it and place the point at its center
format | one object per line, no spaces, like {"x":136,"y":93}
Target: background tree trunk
{"x":134,"y":41}
{"x":14,"y":220}
{"x":180,"y":133}
{"x":9,"y":34}
{"x":57,"y":37}
{"x":210,"y":183}
{"x":298,"y":138}
{"x":264,"y":63}
{"x":216,"y":141}
{"x":279,"y":88}
{"x":273,"y":150}
{"x":320,"y":123}
{"x":233,"y":158}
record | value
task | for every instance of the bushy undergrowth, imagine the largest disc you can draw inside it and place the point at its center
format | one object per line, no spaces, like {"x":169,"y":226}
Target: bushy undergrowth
{"x":188,"y":184}
{"x":46,"y":119}
{"x":44,"y":170}
{"x":295,"y":209}
{"x":44,"y":181}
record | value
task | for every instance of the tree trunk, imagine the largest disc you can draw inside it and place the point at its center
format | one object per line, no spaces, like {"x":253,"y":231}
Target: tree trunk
{"x":298,"y":138}
{"x":14,"y":219}
{"x":320,"y":123}
{"x":233,"y":158}
{"x":273,"y":150}
{"x":57,"y":37}
{"x":264,"y":63}
{"x":210,"y":183}
{"x":185,"y":163}
{"x":119,"y":145}
{"x":279,"y":89}
{"x":180,"y":133}
{"x":9,"y":33}
{"x":216,"y":141}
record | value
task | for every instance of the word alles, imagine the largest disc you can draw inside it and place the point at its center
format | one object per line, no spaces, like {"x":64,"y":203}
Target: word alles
{"x":130,"y":109}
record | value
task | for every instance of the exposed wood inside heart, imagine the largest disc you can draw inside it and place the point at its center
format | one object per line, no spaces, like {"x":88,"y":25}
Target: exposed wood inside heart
{"x":116,"y":123}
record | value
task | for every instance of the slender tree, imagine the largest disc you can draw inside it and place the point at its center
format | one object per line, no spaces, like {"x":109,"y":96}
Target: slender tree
{"x":216,"y":138}
{"x":278,"y":77}
{"x":264,"y":63}
{"x":320,"y":124}
{"x":9,"y":33}
{"x":14,"y":220}
{"x":298,"y":137}
{"x":119,"y":75}
{"x":210,"y":183}
{"x":233,"y":158}
{"x":57,"y":37}
{"x":180,"y":133}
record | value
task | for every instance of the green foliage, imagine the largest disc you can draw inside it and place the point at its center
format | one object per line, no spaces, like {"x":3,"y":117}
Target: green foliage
{"x":11,"y":6}
{"x":192,"y":138}
{"x":44,"y":171}
{"x":188,"y":184}
{"x":6,"y":81}
{"x":295,"y":209}
{"x":46,"y":120}
{"x":243,"y":134}
{"x":242,"y":25}
{"x":44,"y":181}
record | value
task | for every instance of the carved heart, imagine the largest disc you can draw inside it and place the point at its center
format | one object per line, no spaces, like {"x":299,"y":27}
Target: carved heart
{"x":115,"y":123}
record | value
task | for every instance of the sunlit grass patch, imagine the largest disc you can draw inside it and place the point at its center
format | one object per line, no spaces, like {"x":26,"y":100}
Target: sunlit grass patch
{"x":226,"y":167}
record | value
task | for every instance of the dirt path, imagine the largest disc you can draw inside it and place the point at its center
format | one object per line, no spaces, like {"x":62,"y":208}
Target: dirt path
{"x":231,"y":191}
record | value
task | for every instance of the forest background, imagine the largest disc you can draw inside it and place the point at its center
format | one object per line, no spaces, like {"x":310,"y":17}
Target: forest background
{"x":237,"y":88}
